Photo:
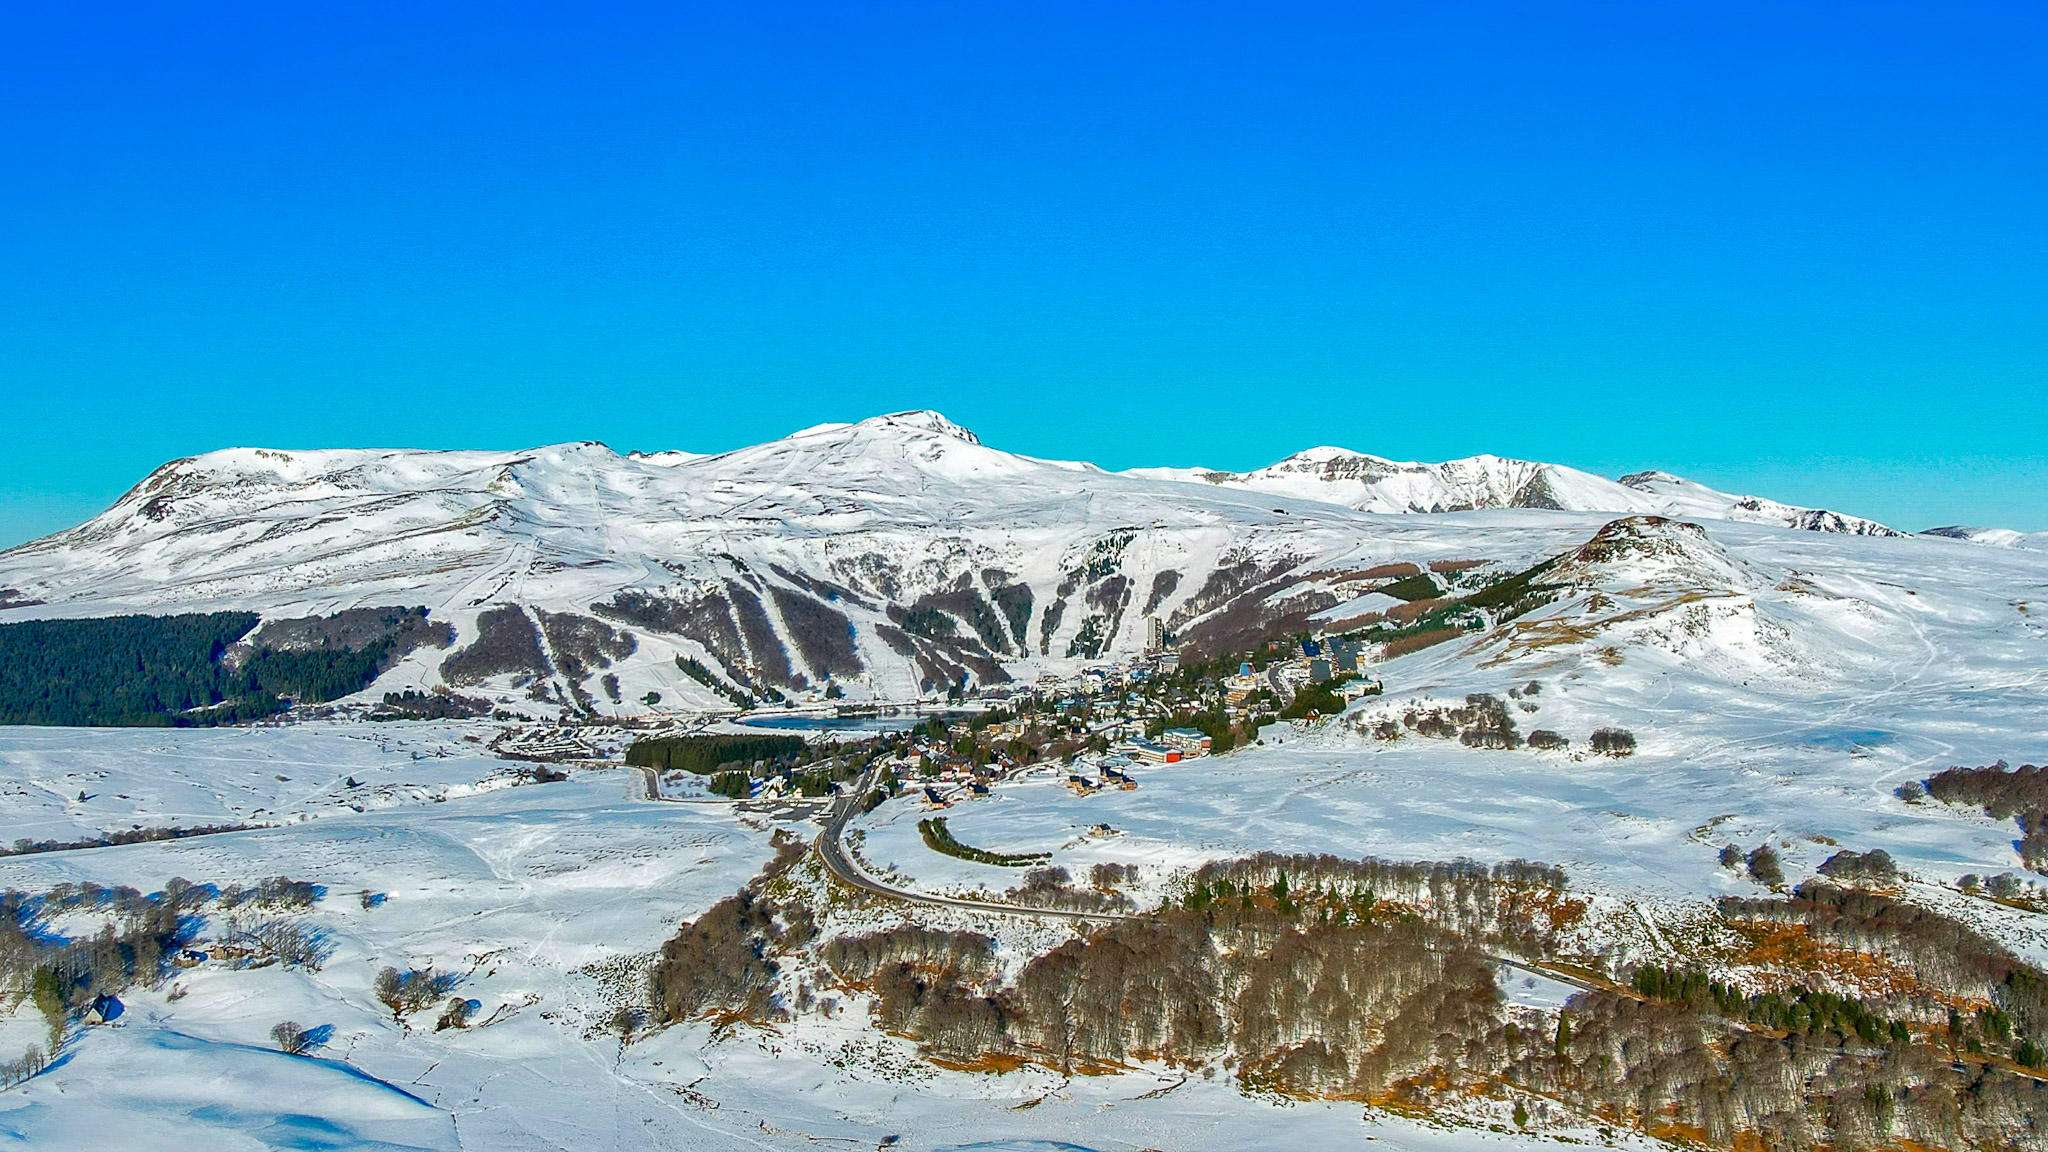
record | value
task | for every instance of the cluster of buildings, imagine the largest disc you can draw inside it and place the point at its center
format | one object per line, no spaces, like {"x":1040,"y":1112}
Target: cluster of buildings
{"x":1104,"y":713}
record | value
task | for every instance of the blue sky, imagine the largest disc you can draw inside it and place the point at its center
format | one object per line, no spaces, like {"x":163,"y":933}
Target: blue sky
{"x":1797,"y":249}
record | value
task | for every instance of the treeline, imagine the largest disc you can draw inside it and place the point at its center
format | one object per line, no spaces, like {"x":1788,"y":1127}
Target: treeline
{"x":125,"y":670}
{"x":27,"y":847}
{"x":1315,"y":1008}
{"x":1516,"y":905}
{"x":1799,"y":1010}
{"x":161,"y":671}
{"x":704,"y":755}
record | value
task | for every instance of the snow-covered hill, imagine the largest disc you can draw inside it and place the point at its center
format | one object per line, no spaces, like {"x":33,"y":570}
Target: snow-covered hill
{"x":1373,"y":484}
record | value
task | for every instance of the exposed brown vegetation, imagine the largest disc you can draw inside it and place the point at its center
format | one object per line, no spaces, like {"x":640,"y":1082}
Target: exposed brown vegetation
{"x":725,"y":960}
{"x":506,"y":642}
{"x":823,"y":635}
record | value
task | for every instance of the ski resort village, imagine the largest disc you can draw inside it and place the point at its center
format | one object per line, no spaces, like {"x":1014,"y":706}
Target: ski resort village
{"x":875,"y":787}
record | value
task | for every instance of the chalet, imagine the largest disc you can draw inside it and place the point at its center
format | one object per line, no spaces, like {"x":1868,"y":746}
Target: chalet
{"x":1081,"y":785}
{"x":103,"y":1010}
{"x":932,"y":798}
{"x":1112,"y":778}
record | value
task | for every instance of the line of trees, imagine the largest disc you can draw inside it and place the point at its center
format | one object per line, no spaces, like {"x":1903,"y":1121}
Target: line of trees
{"x":939,"y":838}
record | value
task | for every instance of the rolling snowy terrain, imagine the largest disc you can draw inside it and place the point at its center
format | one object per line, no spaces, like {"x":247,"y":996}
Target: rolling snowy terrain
{"x":1783,"y":673}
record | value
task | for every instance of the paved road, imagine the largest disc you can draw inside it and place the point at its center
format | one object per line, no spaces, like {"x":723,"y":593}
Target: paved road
{"x":832,"y":852}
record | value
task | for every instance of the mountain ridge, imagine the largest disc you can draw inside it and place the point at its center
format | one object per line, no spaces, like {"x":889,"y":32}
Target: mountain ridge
{"x":892,"y":558}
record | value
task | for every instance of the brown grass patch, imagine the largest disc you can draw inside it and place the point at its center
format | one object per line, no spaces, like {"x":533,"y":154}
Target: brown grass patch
{"x":1793,"y":949}
{"x":1419,"y":641}
{"x":1449,"y":566}
{"x":1412,"y":611}
{"x":992,"y":1063}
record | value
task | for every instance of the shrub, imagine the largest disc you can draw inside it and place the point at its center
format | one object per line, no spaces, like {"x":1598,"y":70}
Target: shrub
{"x":1764,"y":867}
{"x":456,"y":1014}
{"x":290,"y":1038}
{"x":1545,"y":740}
{"x":1873,"y":867}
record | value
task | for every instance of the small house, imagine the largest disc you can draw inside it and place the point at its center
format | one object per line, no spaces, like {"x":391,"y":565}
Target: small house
{"x":103,"y":1010}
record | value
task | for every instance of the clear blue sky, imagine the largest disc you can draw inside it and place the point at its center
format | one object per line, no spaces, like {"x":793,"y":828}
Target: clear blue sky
{"x":1798,"y":249}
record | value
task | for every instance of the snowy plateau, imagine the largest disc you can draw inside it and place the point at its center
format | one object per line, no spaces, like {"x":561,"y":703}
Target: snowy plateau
{"x":642,"y":963}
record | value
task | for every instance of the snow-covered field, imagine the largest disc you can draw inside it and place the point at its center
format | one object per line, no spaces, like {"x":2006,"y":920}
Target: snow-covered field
{"x":542,"y":898}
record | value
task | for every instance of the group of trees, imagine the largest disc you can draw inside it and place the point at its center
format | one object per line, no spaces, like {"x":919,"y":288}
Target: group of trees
{"x":1485,"y":722}
{"x":61,"y":975}
{"x":1761,"y":863}
{"x":413,"y":705}
{"x":1320,"y":976}
{"x":705,"y":755}
{"x":2004,"y":793}
{"x":725,"y":961}
{"x":410,"y":990}
{"x":170,"y":671}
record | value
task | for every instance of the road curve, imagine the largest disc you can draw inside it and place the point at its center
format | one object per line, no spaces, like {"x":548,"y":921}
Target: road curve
{"x":832,"y":853}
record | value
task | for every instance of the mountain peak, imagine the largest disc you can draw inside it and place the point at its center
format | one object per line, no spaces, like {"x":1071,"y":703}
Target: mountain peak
{"x":921,"y":420}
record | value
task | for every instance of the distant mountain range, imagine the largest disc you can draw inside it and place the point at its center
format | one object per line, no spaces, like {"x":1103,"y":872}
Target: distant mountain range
{"x":1373,"y":484}
{"x":887,"y":559}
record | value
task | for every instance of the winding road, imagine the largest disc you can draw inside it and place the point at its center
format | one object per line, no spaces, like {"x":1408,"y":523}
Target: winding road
{"x":832,"y":853}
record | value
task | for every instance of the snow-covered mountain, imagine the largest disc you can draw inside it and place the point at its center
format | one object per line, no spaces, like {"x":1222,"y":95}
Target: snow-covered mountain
{"x":1995,"y":537}
{"x":1374,"y":484}
{"x":885,"y":559}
